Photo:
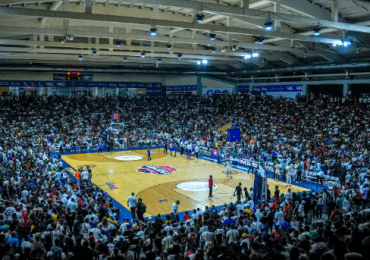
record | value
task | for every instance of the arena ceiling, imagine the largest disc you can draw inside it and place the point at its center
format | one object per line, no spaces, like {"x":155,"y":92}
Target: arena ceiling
{"x":115,"y":34}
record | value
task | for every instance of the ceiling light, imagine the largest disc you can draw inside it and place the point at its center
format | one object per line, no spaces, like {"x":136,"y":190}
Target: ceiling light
{"x":62,"y":42}
{"x":159,"y":60}
{"x":80,"y":57}
{"x":169,"y":46}
{"x":347,"y":43}
{"x":124,"y":59}
{"x":153,"y":31}
{"x":268,"y":26}
{"x":200,"y":17}
{"x":118,"y":44}
{"x":224,"y":49}
{"x":93,"y":53}
{"x":305,"y":55}
{"x":198,"y":62}
{"x":143,"y":55}
{"x":337,"y":43}
{"x":205,"y":62}
{"x":179,"y":56}
{"x":316,"y":31}
{"x":255,"y":54}
{"x":260,"y":41}
{"x":212,"y":36}
{"x":234,"y":48}
{"x":247,"y":56}
{"x":213,"y":50}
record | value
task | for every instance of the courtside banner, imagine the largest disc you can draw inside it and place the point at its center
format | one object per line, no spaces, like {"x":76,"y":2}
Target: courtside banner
{"x":211,"y":91}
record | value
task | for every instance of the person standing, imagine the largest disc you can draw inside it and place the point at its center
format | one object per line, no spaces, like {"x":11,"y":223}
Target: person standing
{"x":90,"y":173}
{"x":210,"y":185}
{"x":175,"y":210}
{"x":100,"y":148}
{"x":238,"y":191}
{"x":131,"y":203}
{"x":165,"y":147}
{"x":196,"y":150}
{"x":141,"y":209}
{"x":149,"y":158}
{"x":299,"y":172}
{"x":78,"y":176}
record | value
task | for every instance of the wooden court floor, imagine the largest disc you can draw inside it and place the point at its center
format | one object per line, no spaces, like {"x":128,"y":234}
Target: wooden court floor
{"x":159,"y":191}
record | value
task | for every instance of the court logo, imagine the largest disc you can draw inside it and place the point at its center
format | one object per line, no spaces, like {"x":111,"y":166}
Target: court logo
{"x":194,"y":186}
{"x":153,"y":169}
{"x":128,"y":158}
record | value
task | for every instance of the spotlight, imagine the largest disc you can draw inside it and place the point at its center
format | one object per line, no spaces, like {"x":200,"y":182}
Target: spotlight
{"x":93,"y":53}
{"x":169,"y":46}
{"x":198,"y":62}
{"x":205,"y":62}
{"x":268,"y":26}
{"x":255,"y":54}
{"x":224,"y":49}
{"x":124,"y":59}
{"x":159,"y":60}
{"x":234,"y":48}
{"x":337,"y":43}
{"x":62,"y":42}
{"x":179,"y":56}
{"x":80,"y":57}
{"x":118,"y":44}
{"x":212,"y":37}
{"x":200,"y":17}
{"x":213,"y":50}
{"x":316,"y":31}
{"x":260,"y":41}
{"x":69,"y":37}
{"x":153,"y":32}
{"x":347,"y":43}
{"x":143,"y":55}
{"x":247,"y":56}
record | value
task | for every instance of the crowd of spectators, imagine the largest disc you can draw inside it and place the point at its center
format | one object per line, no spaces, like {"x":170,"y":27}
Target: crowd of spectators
{"x":46,"y":215}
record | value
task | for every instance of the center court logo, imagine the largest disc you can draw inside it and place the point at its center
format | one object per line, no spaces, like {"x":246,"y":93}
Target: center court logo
{"x":194,"y":186}
{"x":128,"y":158}
{"x":153,"y":169}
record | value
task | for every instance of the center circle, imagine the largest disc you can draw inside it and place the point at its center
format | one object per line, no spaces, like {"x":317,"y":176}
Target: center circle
{"x":128,"y":158}
{"x":194,"y":186}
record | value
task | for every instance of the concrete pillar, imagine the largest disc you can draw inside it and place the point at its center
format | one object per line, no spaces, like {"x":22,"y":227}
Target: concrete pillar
{"x":199,"y":86}
{"x":88,"y":6}
{"x":277,"y":24}
{"x":345,"y":89}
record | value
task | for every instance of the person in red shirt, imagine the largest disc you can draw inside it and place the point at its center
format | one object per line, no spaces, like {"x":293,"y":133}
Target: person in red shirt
{"x":210,"y":185}
{"x":187,"y":216}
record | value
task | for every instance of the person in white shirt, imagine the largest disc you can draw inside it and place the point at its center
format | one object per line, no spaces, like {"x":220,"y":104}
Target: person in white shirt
{"x":232,"y":235}
{"x":289,"y":174}
{"x":131,"y":203}
{"x":85,"y":176}
{"x":72,"y":206}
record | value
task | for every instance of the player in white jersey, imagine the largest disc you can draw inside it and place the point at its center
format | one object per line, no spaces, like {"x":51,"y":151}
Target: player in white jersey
{"x":228,"y":167}
{"x":277,"y":171}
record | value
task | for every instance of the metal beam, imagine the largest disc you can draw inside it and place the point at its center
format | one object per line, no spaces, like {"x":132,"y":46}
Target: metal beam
{"x":65,"y":48}
{"x":145,"y":37}
{"x":237,"y":11}
{"x":53,"y":7}
{"x":325,"y":52}
{"x":160,"y":23}
{"x":334,"y":11}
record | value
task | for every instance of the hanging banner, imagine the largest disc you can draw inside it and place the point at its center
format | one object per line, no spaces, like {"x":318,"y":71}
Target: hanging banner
{"x":211,"y":91}
{"x":182,"y":88}
{"x":289,"y":91}
{"x":243,"y":88}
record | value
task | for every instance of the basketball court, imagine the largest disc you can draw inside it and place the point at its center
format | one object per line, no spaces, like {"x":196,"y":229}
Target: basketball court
{"x":164,"y":179}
